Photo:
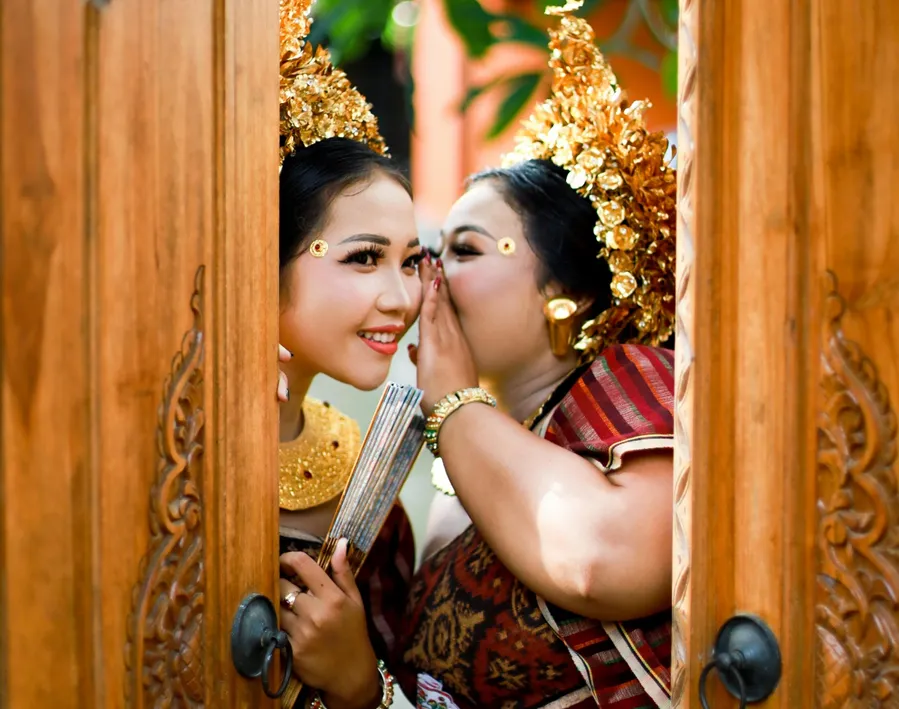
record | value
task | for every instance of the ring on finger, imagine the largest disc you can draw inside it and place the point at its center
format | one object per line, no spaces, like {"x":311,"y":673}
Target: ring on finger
{"x":290,"y":599}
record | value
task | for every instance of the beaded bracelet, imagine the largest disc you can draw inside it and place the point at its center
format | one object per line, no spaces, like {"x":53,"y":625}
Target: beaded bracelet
{"x":446,"y":406}
{"x":387,"y":683}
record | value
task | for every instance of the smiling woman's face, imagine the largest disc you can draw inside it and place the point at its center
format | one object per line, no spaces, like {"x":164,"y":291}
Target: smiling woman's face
{"x":343,"y":315}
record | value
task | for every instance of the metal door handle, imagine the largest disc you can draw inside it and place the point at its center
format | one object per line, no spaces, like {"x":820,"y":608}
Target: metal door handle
{"x":747,"y":659}
{"x":255,"y":638}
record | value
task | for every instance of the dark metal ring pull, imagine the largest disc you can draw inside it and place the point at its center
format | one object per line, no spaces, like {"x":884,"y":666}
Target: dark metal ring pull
{"x":255,"y":638}
{"x":747,"y":658}
{"x":274,"y":642}
{"x":728,"y":664}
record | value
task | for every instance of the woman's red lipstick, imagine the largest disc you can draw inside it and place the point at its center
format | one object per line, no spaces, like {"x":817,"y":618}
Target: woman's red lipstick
{"x":383,"y":340}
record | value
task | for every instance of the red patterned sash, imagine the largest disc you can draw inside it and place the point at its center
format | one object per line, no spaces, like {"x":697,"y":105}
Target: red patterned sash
{"x":624,"y":403}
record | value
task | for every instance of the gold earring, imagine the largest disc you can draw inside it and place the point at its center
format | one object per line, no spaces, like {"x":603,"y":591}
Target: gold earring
{"x":318,"y":248}
{"x":506,"y":246}
{"x":559,"y":313}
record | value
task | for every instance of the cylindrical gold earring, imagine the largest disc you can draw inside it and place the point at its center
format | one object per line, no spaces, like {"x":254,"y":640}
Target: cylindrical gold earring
{"x":559,"y":313}
{"x":318,"y":248}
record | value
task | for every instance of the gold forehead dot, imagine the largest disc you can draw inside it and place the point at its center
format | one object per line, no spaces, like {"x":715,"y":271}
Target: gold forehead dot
{"x":506,"y":246}
{"x":318,"y":248}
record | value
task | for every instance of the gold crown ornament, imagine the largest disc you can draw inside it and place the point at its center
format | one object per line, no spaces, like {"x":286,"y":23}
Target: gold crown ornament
{"x":588,"y":127}
{"x":317,"y":99}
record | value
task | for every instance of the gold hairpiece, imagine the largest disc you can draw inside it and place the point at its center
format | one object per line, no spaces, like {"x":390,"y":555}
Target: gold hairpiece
{"x":588,"y":127}
{"x":317,"y":99}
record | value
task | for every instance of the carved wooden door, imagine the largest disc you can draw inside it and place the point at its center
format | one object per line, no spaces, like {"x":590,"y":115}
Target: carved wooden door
{"x":138,"y":279}
{"x":787,"y":505}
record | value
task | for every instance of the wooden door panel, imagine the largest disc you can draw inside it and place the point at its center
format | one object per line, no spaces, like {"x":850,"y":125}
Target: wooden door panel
{"x":45,"y":539}
{"x":788,"y":377}
{"x":856,"y":143}
{"x":243,"y":331}
{"x":139,"y":281}
{"x":154,"y":227}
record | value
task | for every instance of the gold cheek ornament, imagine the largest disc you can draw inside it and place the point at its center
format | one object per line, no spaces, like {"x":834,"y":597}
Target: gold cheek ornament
{"x":318,"y":248}
{"x":559,"y":313}
{"x":506,"y":246}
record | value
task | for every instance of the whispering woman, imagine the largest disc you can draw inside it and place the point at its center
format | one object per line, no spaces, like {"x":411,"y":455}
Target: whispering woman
{"x":547,"y":573}
{"x":349,"y":291}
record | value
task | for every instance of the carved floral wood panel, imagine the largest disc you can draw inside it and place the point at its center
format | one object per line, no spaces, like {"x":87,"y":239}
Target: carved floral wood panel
{"x":858,"y":528}
{"x":164,"y":654}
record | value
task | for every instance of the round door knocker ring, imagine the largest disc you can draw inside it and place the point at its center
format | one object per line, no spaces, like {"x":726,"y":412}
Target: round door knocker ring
{"x":255,"y":638}
{"x":747,"y":659}
{"x":723,"y":667}
{"x":281,"y":642}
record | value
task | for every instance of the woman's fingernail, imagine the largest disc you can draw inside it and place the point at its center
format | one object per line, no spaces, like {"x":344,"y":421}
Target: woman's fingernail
{"x":437,"y":282}
{"x":440,"y":263}
{"x":427,"y":256}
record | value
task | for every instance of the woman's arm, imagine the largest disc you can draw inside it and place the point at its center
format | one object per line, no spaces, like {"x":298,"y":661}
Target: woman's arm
{"x":597,"y":545}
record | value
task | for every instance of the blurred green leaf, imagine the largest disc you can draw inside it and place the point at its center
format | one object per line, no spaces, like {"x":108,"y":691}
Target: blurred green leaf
{"x":590,"y":6}
{"x":475,"y":92}
{"x":670,"y":11}
{"x":668,"y":73}
{"x":348,"y":27}
{"x":472,"y":24}
{"x":347,"y":37}
{"x":479,"y":30}
{"x":520,"y":90}
{"x":517,"y":29}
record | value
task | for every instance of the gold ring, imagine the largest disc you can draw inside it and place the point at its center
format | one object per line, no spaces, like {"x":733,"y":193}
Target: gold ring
{"x":290,"y":599}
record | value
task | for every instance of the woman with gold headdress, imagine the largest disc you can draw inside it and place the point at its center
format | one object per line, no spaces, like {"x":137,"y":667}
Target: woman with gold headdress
{"x":547,"y":572}
{"x":349,"y":290}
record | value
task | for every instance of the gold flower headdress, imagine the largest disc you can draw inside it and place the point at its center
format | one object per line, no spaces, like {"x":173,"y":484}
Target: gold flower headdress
{"x":588,"y":127}
{"x":317,"y":99}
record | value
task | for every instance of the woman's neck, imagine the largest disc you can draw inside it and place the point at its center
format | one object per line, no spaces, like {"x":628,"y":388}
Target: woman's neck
{"x":525,"y":390}
{"x":291,"y":411}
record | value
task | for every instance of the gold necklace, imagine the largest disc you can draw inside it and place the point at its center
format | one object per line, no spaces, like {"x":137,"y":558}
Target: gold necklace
{"x":315,"y":466}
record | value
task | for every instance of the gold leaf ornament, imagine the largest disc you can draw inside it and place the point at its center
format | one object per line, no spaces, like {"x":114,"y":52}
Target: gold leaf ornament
{"x":588,"y":127}
{"x":317,"y":99}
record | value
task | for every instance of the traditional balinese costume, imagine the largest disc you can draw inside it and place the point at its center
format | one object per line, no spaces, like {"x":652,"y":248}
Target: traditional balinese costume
{"x":318,"y":103}
{"x":474,"y":636}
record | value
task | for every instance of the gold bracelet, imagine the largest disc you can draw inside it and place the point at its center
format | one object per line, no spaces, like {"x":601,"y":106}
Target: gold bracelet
{"x":446,"y":406}
{"x":387,"y":683}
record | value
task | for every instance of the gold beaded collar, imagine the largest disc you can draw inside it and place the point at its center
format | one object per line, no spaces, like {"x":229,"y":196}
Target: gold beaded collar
{"x":315,"y":466}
